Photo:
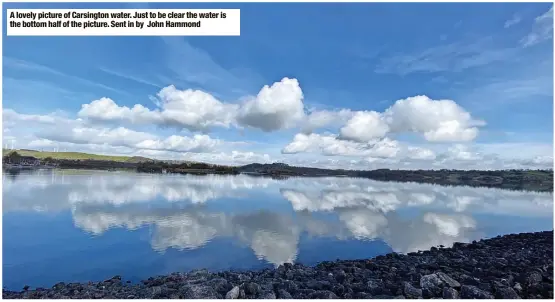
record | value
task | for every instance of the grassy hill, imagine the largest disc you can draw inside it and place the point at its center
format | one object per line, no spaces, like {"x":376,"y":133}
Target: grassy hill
{"x":74,"y":155}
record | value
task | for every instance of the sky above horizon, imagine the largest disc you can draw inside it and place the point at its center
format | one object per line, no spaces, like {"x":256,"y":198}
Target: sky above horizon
{"x":336,"y":85}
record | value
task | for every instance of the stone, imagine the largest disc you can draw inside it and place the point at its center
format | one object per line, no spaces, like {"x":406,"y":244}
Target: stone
{"x":268,"y":295}
{"x":506,"y":293}
{"x":251,"y":289}
{"x":323,"y":294}
{"x":533,"y":278}
{"x":473,"y":292}
{"x":156,"y":291}
{"x":233,"y":293}
{"x":283,"y":294}
{"x":197,"y":291}
{"x":448,"y":280}
{"x":411,"y":292}
{"x":450,"y":293}
{"x":362,"y":295}
{"x":340,"y":276}
{"x":430,"y":281}
{"x":374,"y":286}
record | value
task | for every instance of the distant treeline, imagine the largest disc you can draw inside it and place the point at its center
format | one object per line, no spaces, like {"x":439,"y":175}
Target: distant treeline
{"x":534,"y":180}
{"x":184,"y":168}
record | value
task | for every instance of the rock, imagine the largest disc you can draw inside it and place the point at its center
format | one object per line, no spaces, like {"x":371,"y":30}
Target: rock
{"x":219,"y":284}
{"x":340,"y":276}
{"x":233,"y":293}
{"x":431,"y":281}
{"x":288,"y":285}
{"x":485,"y":286}
{"x":251,"y":289}
{"x":156,"y":292}
{"x":533,"y":278}
{"x":411,"y":292}
{"x":473,"y":292}
{"x":430,"y":285}
{"x":448,"y":280}
{"x":283,"y":294}
{"x":506,"y":293}
{"x":374,"y":286}
{"x":362,"y":295}
{"x":338,"y":289}
{"x":268,"y":295}
{"x":323,"y":294}
{"x":450,"y":293}
{"x":195,"y":291}
{"x":59,"y":286}
{"x":518,"y":287}
{"x":318,"y":285}
{"x":382,"y":297}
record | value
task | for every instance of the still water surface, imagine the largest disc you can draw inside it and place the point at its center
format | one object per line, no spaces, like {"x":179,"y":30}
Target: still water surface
{"x":76,"y":225}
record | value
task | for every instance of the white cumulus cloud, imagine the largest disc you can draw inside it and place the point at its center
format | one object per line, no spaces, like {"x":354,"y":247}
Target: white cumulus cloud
{"x":364,"y":126}
{"x":330,"y":145}
{"x":279,"y":106}
{"x":437,"y":120}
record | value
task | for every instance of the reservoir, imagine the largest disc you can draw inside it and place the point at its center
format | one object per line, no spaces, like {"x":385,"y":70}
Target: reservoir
{"x":80,"y":226}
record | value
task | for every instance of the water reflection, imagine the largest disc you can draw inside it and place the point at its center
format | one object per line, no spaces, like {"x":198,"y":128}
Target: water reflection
{"x":272,"y":217}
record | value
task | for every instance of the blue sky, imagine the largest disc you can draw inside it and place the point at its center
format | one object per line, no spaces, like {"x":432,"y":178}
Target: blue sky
{"x":482,"y":75}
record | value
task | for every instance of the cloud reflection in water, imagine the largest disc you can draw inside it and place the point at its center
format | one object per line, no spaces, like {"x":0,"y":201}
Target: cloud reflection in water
{"x":407,"y":216}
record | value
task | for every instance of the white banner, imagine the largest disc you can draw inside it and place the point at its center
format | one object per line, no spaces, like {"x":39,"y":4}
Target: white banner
{"x":123,"y":22}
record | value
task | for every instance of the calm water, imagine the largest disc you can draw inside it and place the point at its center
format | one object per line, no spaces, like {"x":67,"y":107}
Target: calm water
{"x":81,"y":225}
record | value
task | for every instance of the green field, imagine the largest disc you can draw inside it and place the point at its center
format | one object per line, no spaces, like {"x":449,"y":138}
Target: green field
{"x":68,"y":155}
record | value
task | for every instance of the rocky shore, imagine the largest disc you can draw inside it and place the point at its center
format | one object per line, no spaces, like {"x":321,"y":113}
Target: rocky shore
{"x":508,"y":267}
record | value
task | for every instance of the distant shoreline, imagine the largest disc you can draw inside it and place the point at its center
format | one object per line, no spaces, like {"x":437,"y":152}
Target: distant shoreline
{"x":500,"y":267}
{"x":528,"y":180}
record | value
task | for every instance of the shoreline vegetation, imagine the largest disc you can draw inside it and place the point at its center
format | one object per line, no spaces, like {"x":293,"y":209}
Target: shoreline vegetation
{"x":505,"y":267}
{"x":529,"y":180}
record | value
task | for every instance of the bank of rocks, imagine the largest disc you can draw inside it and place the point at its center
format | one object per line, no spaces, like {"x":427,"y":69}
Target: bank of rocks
{"x":509,"y":267}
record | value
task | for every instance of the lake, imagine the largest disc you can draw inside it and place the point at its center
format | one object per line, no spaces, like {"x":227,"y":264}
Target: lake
{"x":78,"y":226}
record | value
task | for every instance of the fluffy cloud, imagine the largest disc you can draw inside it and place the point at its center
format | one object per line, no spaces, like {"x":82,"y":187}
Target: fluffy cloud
{"x":461,"y":153}
{"x":230,"y":158}
{"x":105,"y":109}
{"x":10,"y":118}
{"x":81,"y":135}
{"x":194,"y":109}
{"x":420,"y":153}
{"x":276,"y":107}
{"x":330,"y":145}
{"x":54,"y":130}
{"x":279,"y":106}
{"x":191,"y":109}
{"x":175,"y":143}
{"x":122,"y":137}
{"x":365,"y":126}
{"x":437,"y":120}
{"x":322,"y":118}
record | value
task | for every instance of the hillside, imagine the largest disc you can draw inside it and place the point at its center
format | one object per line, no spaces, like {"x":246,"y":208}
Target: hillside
{"x":71,"y":155}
